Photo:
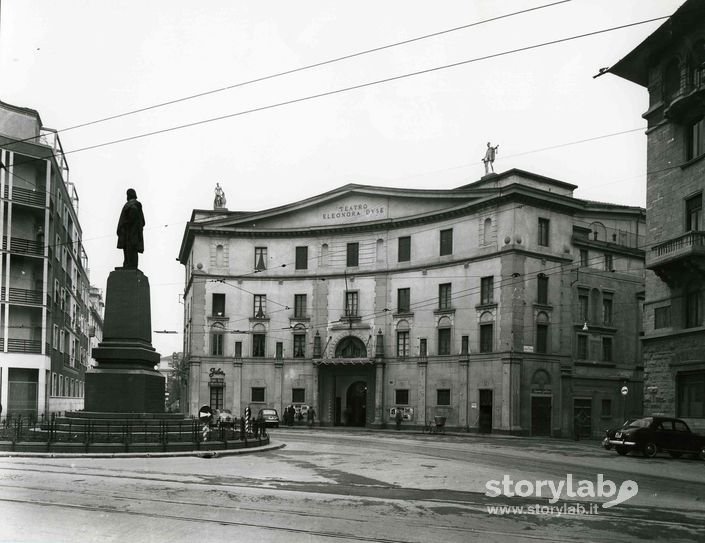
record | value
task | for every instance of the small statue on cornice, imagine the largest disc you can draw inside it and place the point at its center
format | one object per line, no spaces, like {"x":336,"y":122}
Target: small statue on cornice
{"x":219,"y":197}
{"x":490,"y":155}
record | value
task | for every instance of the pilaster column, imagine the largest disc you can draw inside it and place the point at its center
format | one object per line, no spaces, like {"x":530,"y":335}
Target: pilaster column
{"x":278,"y":384}
{"x":420,"y":415}
{"x":463,"y":394}
{"x":237,"y":388}
{"x":511,"y":381}
{"x":315,"y":392}
{"x":379,"y":394}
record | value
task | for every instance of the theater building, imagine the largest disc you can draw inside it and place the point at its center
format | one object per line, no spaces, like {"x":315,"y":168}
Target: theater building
{"x":505,"y":305}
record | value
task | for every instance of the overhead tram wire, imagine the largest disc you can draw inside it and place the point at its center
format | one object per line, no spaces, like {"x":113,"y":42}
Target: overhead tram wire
{"x":357,"y":87}
{"x":307,"y":67}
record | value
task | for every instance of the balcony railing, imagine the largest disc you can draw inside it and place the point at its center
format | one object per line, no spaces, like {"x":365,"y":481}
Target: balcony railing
{"x":21,"y":345}
{"x":678,"y":258}
{"x":21,"y":296}
{"x":23,"y":246}
{"x":688,"y":243}
{"x":26,"y":196}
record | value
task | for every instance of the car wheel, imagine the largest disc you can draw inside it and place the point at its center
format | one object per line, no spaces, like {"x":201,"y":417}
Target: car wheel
{"x":675,"y":454}
{"x":650,"y":450}
{"x":621,"y":451}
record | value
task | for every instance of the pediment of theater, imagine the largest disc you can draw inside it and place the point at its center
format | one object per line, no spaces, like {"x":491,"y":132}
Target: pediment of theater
{"x":353,"y":207}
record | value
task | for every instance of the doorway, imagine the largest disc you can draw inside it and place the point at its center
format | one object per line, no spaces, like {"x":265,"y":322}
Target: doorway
{"x":541,"y":415}
{"x":485,"y":418}
{"x":356,"y":404}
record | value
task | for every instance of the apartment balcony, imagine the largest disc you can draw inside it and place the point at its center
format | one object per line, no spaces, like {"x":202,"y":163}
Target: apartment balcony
{"x":34,"y":198}
{"x":21,"y":296}
{"x":690,"y":100}
{"x":679,"y":259}
{"x":23,"y":246}
{"x":27,"y":346}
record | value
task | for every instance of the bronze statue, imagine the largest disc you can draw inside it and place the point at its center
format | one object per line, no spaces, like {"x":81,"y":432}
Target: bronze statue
{"x":489,"y":157}
{"x":129,"y":230}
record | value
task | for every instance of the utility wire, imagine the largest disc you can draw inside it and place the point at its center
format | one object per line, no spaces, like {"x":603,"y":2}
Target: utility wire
{"x":307,"y":67}
{"x":357,"y":87}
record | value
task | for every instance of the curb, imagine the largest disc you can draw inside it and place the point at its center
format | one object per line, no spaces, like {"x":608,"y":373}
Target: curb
{"x":198,"y":454}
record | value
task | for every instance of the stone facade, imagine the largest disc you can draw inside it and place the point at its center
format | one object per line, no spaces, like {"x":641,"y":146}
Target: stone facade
{"x":670,"y":64}
{"x":505,"y":305}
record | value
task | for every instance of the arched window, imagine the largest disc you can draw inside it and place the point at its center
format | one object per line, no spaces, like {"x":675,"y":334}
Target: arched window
{"x":444,"y":329}
{"x":380,"y":250}
{"x":324,"y":255}
{"x":217,"y":339}
{"x":599,"y":232}
{"x":487,"y":231}
{"x":403,"y":339}
{"x":696,"y":64}
{"x":351,"y":347}
{"x":486,"y":332}
{"x":299,"y":341}
{"x":259,"y":335}
{"x":219,"y":256}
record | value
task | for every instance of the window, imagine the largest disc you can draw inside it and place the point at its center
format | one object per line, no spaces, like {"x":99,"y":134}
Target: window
{"x":238,"y":349}
{"x":694,"y":213}
{"x":691,"y":394}
{"x":260,"y":306}
{"x":584,"y":258}
{"x":302,"y":258}
{"x":298,"y":395}
{"x":662,"y":317}
{"x":542,"y":289}
{"x":447,"y":242}
{"x":607,"y":349}
{"x":299,"y":345}
{"x":279,"y":350}
{"x":487,"y":231}
{"x":353,"y":255}
{"x":464,"y":344}
{"x":402,"y":343}
{"x":258,"y":344}
{"x":607,"y":309}
{"x":257,"y":394}
{"x":404,"y":253}
{"x":696,"y":139}
{"x":487,"y":290}
{"x":582,"y":347}
{"x":542,"y":333}
{"x":693,"y":309}
{"x":443,"y":396}
{"x":299,"y":306}
{"x":486,"y":338}
{"x":403,"y":300}
{"x":62,"y":341}
{"x":217,"y":339}
{"x":444,"y":291}
{"x":583,"y":306}
{"x":317,"y":349}
{"x":606,"y":407}
{"x":443,"y":341}
{"x":216,"y":398}
{"x":218,"y":305}
{"x":423,"y":349}
{"x":260,"y":259}
{"x":401,"y":396}
{"x":609,"y":263}
{"x":55,"y":343}
{"x":543,"y":232}
{"x":351,"y":303}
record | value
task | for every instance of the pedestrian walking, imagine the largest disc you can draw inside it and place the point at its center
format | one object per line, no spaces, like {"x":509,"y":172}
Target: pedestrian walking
{"x":398,"y":418}
{"x":311,"y":416}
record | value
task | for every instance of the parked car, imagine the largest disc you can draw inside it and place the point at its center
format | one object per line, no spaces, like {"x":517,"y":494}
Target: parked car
{"x":270,"y":417}
{"x":223,"y":418}
{"x":609,"y":434}
{"x":651,"y":435}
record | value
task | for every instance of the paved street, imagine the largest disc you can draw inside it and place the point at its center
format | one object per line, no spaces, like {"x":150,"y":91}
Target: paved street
{"x":348,"y":486}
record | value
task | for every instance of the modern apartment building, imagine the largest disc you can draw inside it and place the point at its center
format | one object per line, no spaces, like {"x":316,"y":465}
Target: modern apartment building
{"x":670,"y":64}
{"x":505,"y":305}
{"x":44,"y":289}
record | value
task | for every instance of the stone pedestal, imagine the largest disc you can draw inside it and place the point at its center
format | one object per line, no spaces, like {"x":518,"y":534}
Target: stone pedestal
{"x":125,"y":380}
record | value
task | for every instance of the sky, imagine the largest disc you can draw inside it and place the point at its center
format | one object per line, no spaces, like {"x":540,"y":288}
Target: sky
{"x":80,"y":61}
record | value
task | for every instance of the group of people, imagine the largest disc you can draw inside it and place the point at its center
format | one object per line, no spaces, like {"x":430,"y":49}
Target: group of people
{"x":292,"y":415}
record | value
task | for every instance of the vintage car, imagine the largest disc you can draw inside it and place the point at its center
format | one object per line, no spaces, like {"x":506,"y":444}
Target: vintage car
{"x":651,"y":435}
{"x":270,"y":417}
{"x":609,"y":434}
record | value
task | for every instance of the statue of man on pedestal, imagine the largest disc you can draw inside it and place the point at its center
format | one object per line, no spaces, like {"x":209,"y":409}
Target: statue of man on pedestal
{"x":489,"y":157}
{"x":219,"y":200}
{"x":129,"y":230}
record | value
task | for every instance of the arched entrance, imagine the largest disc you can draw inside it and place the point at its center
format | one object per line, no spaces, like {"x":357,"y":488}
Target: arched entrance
{"x":356,"y":404}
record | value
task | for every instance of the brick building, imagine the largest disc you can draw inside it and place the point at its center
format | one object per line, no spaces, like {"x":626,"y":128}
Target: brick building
{"x":670,"y":64}
{"x":505,"y":305}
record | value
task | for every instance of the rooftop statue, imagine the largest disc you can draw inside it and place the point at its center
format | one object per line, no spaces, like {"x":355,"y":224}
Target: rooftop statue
{"x":489,"y":157}
{"x":219,"y":196}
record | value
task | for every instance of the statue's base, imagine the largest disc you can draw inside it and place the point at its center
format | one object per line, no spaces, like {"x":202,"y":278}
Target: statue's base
{"x":124,"y":391}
